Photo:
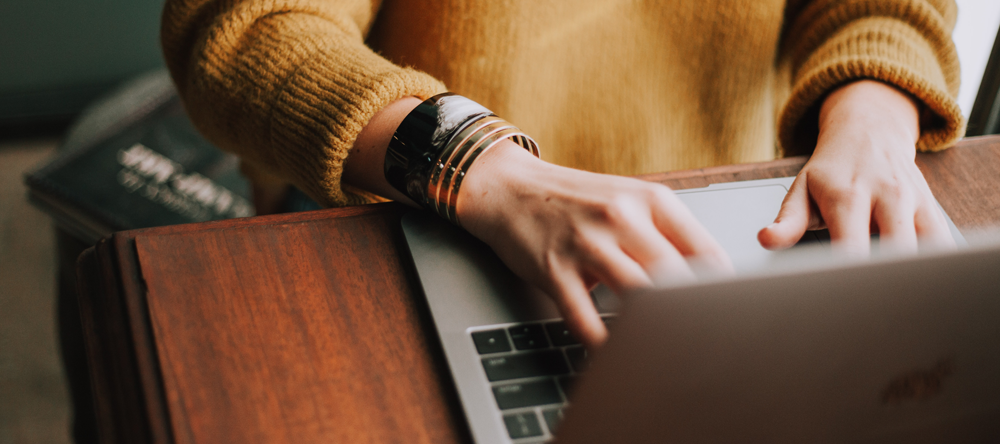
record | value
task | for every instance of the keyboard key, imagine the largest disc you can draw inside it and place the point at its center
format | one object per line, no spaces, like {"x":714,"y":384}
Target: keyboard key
{"x":525,"y":365}
{"x":528,"y":337}
{"x":566,"y":383}
{"x":493,"y":341}
{"x":522,"y":425}
{"x":512,"y":396}
{"x":552,"y":418}
{"x":560,"y":334}
{"x":578,"y":358}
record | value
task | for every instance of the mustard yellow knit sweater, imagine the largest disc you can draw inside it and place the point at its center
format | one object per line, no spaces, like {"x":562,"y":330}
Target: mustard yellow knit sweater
{"x":613,"y":86}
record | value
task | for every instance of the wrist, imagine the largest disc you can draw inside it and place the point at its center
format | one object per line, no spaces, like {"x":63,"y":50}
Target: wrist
{"x":364,"y":163}
{"x":495,"y":174}
{"x":871,"y":107}
{"x":436,"y":144}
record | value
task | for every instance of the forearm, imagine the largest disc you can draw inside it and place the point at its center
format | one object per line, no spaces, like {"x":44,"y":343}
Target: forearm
{"x":286,"y":85}
{"x":905,"y":43}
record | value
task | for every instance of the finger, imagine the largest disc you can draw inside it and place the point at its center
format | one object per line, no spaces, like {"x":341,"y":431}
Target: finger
{"x":679,"y":227}
{"x":615,"y":268}
{"x":931,"y":227}
{"x":576,"y":307}
{"x":794,"y":218}
{"x":660,"y":259}
{"x":848,"y":217}
{"x":895,"y":220}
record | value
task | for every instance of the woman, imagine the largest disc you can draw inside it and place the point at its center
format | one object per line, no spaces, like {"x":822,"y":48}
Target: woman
{"x":312,"y":91}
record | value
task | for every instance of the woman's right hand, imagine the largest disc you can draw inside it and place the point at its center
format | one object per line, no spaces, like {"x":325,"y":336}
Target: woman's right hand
{"x":565,"y":230}
{"x":561,"y":229}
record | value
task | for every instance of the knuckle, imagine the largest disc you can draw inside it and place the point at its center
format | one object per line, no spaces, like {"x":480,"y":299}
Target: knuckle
{"x":893,"y":190}
{"x":616,"y":210}
{"x":933,"y":214}
{"x":841,"y":193}
{"x":661,"y":195}
{"x":652,"y":192}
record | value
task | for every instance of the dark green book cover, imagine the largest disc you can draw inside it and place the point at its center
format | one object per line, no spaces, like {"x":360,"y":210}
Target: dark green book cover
{"x":157,"y":170}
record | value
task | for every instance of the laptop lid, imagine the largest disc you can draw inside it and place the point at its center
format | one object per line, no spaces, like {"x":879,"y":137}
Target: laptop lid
{"x":887,"y":351}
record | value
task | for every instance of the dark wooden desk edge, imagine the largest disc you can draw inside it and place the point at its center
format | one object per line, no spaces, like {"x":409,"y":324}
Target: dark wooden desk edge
{"x":119,"y":337}
{"x":129,"y":403}
{"x":130,"y":400}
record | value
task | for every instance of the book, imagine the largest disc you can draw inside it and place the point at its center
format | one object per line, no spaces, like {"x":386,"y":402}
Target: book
{"x":147,"y":166}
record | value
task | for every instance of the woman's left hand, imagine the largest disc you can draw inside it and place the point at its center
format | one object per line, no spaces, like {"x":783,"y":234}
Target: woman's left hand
{"x":861,"y":178}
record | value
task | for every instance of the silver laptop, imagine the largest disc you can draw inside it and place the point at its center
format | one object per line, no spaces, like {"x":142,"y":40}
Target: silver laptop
{"x":516,"y":366}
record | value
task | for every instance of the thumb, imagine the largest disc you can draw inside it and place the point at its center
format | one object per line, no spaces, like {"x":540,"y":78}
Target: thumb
{"x":793,"y":219}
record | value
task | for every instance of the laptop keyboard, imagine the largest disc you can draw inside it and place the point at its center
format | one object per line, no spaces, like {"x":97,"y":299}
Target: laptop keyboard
{"x":531,"y":368}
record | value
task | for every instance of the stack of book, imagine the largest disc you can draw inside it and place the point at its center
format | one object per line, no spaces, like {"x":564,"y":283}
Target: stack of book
{"x":134,"y":160}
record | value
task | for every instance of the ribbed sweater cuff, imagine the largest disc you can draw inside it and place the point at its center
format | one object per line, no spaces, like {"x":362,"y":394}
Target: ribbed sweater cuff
{"x":322,"y":109}
{"x":883,"y":49}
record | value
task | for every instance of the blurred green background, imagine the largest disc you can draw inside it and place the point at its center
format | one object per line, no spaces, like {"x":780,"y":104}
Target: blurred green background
{"x":57,"y":55}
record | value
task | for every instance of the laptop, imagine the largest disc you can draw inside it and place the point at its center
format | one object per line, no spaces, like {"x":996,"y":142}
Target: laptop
{"x":515,"y":366}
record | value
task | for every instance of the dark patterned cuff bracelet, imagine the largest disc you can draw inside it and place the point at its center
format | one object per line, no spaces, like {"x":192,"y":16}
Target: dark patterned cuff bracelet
{"x":435,"y":145}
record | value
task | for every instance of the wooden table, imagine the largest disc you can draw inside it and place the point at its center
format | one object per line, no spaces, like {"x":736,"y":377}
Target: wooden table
{"x":311,"y":327}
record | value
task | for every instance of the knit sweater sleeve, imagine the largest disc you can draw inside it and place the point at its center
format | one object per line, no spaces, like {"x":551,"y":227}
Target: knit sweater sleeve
{"x":286,"y":84}
{"x":906,"y":43}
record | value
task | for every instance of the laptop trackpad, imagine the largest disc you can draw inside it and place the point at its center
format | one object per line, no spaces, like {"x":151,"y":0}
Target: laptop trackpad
{"x":735,"y":215}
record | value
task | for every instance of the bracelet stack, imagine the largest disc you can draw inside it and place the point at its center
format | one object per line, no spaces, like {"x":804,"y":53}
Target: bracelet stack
{"x":435,"y":145}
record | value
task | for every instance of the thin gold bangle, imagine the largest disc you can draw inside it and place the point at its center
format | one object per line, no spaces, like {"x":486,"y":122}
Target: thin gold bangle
{"x":447,"y":155}
{"x":484,"y":134}
{"x":515,"y":135}
{"x":453,"y":161}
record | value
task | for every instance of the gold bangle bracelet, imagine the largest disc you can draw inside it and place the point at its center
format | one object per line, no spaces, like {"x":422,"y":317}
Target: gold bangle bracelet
{"x":454,"y":160}
{"x":448,"y":154}
{"x":515,"y":135}
{"x":484,"y":134}
{"x":432,"y":149}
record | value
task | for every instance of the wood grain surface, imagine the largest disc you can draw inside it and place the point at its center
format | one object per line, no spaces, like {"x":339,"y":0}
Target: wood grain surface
{"x":966,"y":181}
{"x":310,"y":327}
{"x":293,"y":332}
